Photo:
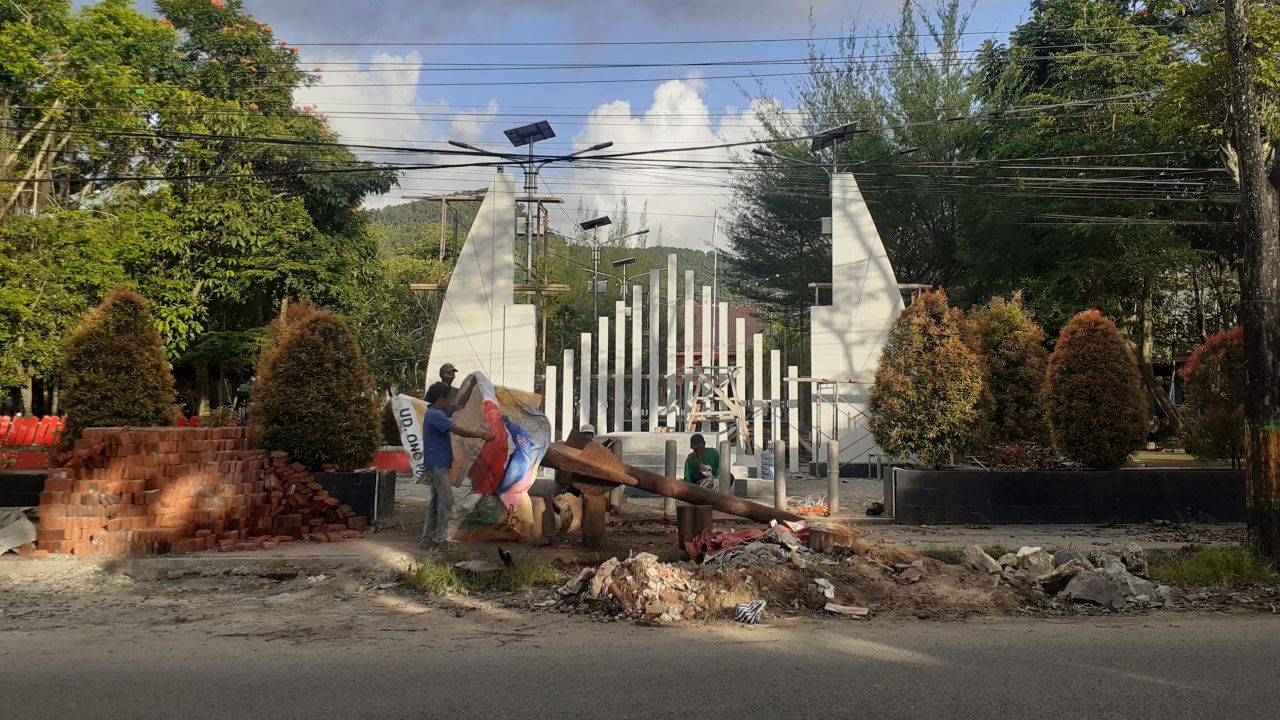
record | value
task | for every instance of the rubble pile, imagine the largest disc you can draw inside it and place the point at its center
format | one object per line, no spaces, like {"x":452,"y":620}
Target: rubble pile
{"x":775,"y":545}
{"x":151,"y":491}
{"x":1116,"y":582}
{"x":639,"y":588}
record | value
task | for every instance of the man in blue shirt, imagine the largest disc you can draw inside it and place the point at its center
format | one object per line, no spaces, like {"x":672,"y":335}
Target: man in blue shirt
{"x":437,"y":451}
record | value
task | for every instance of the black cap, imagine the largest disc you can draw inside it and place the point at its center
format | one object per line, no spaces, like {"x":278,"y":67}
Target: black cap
{"x":697,"y":441}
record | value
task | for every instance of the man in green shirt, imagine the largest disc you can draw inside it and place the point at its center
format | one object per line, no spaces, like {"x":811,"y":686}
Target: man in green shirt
{"x":703,"y":463}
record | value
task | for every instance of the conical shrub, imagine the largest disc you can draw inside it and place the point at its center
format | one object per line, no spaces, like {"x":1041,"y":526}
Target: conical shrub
{"x":925,"y":397}
{"x":115,"y":372}
{"x":1214,"y":383}
{"x":1010,"y":346}
{"x":313,"y":397}
{"x":1093,"y":394}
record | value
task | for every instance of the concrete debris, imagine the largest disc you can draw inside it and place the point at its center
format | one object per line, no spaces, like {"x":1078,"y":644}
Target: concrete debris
{"x":911,"y":576}
{"x":1094,"y":588}
{"x":1008,"y":560}
{"x":847,"y":610}
{"x":1035,"y":561}
{"x":15,"y":530}
{"x":1135,"y":560}
{"x":828,"y":590}
{"x":978,"y":559}
{"x":1113,"y":586}
{"x":640,"y":588}
{"x":1057,"y":580}
{"x":1069,"y":555}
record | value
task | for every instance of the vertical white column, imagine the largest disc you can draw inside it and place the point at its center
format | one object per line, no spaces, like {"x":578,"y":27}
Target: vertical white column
{"x":637,"y":355}
{"x":722,"y":335}
{"x":584,"y":382}
{"x":549,"y":390}
{"x":757,"y":394}
{"x":655,"y":349}
{"x":705,"y":345}
{"x":619,"y":362}
{"x":690,"y":343}
{"x":793,"y":419}
{"x":740,"y":360}
{"x":775,"y":393}
{"x":566,"y":395}
{"x":602,"y":370}
{"x":673,"y":339}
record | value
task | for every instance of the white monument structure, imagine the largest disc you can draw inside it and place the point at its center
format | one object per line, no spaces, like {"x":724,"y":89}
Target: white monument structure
{"x":846,"y":338}
{"x":480,"y":326}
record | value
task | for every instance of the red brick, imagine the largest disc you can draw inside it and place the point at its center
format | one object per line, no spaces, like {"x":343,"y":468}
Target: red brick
{"x":39,"y":554}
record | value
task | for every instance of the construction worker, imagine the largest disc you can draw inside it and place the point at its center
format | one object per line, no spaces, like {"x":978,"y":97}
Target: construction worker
{"x":703,"y":462}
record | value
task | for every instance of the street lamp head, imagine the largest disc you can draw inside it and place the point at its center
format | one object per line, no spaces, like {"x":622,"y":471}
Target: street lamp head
{"x":601,"y":146}
{"x":596,"y":222}
{"x":464,"y":146}
{"x":834,"y":136}
{"x":622,"y":262}
{"x":531,"y":133}
{"x":762,"y":152}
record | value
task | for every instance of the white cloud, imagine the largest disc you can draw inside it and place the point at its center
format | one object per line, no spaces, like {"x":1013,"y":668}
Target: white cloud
{"x":680,"y":202}
{"x":383,"y":108}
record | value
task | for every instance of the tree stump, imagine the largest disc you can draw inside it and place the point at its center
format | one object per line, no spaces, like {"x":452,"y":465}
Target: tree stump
{"x":691,"y":520}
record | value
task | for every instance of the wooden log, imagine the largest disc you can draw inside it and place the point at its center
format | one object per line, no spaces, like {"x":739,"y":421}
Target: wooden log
{"x":603,"y":466}
{"x":594,"y":509}
{"x":691,"y":521}
{"x":830,"y":542}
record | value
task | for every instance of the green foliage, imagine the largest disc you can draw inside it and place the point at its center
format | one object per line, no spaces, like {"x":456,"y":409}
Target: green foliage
{"x":1214,"y":385}
{"x":224,"y":416}
{"x":1010,"y":346}
{"x":314,"y":397}
{"x":115,"y":371}
{"x":1093,"y":394}
{"x":1218,"y":568}
{"x":435,"y":573}
{"x":925,"y":398}
{"x":914,"y":74}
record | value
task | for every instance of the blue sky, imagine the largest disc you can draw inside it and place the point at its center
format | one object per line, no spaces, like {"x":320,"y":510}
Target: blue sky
{"x":401,"y":99}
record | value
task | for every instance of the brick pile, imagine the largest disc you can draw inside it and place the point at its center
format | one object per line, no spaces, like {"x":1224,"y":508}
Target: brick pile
{"x":149,"y":491}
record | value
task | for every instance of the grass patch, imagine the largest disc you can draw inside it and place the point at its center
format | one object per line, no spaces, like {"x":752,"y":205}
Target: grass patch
{"x":1212,"y":567}
{"x":996,"y":551}
{"x":435,"y":573}
{"x":949,"y":556}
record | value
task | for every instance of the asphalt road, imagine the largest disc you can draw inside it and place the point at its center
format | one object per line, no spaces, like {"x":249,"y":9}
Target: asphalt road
{"x":1164,"y":666}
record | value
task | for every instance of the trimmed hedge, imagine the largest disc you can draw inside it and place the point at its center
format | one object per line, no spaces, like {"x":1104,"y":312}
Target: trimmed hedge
{"x":925,"y":397}
{"x":314,"y":397}
{"x":115,"y":372}
{"x":1093,"y":394}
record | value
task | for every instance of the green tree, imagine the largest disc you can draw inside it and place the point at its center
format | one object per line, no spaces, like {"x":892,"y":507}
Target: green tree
{"x":925,"y":399}
{"x":314,"y":397}
{"x":1011,"y":348}
{"x":894,"y":91}
{"x":116,"y":373}
{"x":1093,"y":394}
{"x":1214,"y":384}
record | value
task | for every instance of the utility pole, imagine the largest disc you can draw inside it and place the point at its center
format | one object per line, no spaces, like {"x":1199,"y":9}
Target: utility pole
{"x":1259,"y":226}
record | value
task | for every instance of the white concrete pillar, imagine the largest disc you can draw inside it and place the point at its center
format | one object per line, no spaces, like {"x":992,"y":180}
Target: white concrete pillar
{"x":673,"y":339}
{"x":740,"y":360}
{"x":655,"y":350}
{"x":566,"y":395}
{"x":602,"y":375}
{"x":793,"y":419}
{"x":722,"y":335}
{"x":637,"y":355}
{"x":619,"y":363}
{"x":584,"y":382}
{"x":775,"y":393}
{"x":690,"y":342}
{"x":705,"y":346}
{"x":549,"y":390}
{"x":757,"y":394}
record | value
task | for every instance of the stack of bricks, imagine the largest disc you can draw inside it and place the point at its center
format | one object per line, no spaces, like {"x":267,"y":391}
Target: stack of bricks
{"x":148,"y":491}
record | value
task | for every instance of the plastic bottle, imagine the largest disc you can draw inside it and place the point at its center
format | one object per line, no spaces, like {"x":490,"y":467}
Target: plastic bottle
{"x":766,"y":464}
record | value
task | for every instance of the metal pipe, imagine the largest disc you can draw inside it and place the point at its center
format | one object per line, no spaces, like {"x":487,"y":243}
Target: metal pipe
{"x":779,"y":475}
{"x":725,"y":482}
{"x":833,"y":477}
